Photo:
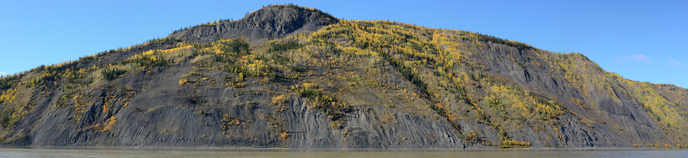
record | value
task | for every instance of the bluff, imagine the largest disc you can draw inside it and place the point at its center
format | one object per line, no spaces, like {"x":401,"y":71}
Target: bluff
{"x":291,"y":76}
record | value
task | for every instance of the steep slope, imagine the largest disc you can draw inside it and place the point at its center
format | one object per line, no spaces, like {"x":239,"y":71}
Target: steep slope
{"x":300,"y":78}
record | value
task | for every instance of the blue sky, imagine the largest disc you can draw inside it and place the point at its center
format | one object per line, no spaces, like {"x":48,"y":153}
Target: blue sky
{"x":640,"y":40}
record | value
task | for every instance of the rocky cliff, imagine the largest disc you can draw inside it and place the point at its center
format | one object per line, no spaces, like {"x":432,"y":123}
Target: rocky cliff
{"x":261,"y":25}
{"x":291,"y":76}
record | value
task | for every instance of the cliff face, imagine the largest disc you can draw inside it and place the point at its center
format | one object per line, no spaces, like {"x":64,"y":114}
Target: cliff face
{"x":301,"y":78}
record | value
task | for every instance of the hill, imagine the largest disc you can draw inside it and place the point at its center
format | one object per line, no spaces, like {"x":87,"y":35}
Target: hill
{"x":292,"y":76}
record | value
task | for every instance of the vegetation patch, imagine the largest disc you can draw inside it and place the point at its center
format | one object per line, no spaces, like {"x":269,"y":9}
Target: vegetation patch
{"x":515,"y":144}
{"x":113,"y":73}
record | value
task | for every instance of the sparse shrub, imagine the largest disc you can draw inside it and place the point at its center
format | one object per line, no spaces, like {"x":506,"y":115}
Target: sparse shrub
{"x":183,"y":81}
{"x":310,"y":91}
{"x":284,"y":135}
{"x":109,"y":123}
{"x":192,"y":74}
{"x":6,"y":121}
{"x":323,"y":102}
{"x":240,"y":85}
{"x":515,"y":144}
{"x":472,"y":137}
{"x":300,"y":61}
{"x":278,"y":100}
{"x":228,"y":122}
{"x":334,"y":125}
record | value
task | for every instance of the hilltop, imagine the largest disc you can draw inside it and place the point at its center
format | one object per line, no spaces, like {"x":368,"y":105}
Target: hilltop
{"x":297,"y":77}
{"x":267,"y":23}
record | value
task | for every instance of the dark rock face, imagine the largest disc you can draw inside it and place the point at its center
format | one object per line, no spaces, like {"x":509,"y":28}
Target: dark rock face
{"x":160,"y":117}
{"x":260,"y":25}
